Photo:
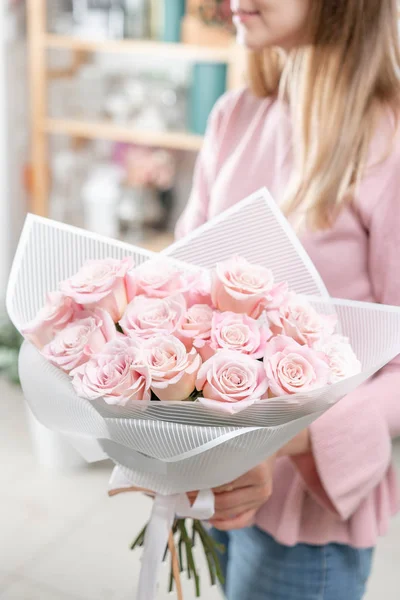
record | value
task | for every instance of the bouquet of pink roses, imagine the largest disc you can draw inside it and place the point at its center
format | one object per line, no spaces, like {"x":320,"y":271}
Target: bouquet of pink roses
{"x":191,"y":368}
{"x":224,"y":339}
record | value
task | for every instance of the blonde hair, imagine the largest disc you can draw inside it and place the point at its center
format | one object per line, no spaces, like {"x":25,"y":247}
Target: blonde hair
{"x":336,"y":88}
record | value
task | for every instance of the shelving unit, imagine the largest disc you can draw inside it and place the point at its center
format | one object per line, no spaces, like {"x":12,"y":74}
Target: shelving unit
{"x":40,"y":42}
{"x":92,"y":130}
{"x":150,"y":48}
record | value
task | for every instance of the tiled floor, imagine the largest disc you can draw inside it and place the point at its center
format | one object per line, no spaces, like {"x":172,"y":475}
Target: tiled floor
{"x":62,"y":538}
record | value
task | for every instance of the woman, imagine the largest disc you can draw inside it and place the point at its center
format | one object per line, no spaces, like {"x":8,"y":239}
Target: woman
{"x":318,"y":127}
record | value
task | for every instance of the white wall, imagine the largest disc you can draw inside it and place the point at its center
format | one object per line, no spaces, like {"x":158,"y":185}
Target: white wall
{"x":14,"y":134}
{"x":4,"y":182}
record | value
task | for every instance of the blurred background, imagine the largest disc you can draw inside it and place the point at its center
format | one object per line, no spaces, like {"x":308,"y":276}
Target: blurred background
{"x":107,"y":134}
{"x":103,"y":108}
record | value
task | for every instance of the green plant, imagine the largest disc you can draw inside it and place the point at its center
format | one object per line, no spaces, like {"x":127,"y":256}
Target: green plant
{"x":10,"y":344}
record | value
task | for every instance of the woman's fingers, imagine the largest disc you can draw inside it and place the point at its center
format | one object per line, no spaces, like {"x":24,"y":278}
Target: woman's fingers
{"x":227,"y":514}
{"x":246,"y":519}
{"x":243,"y":481}
{"x":233,"y":500}
{"x":257,"y":476}
{"x":233,"y":503}
{"x":230,"y":505}
{"x":245,"y":494}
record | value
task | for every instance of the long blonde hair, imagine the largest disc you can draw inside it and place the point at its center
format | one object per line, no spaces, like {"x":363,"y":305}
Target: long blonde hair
{"x":336,"y":87}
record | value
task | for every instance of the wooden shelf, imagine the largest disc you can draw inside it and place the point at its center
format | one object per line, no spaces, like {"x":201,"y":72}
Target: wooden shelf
{"x":142,"y":47}
{"x":123,"y":133}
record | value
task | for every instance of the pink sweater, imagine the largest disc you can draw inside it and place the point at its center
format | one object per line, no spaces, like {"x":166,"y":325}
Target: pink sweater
{"x":346,"y":492}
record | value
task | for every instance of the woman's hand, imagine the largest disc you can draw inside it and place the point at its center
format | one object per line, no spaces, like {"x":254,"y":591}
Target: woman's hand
{"x":237,"y":504}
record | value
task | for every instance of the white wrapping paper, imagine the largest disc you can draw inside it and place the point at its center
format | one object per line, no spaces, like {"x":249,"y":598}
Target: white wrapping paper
{"x":172,"y":448}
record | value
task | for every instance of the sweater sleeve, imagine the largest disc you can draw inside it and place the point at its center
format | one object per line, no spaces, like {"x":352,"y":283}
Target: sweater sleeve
{"x":196,"y":211}
{"x":352,"y":442}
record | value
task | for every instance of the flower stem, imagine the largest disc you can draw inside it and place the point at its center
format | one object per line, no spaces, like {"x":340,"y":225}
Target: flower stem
{"x":189,"y":555}
{"x":186,"y":544}
{"x":140,"y":539}
{"x":211,"y":548}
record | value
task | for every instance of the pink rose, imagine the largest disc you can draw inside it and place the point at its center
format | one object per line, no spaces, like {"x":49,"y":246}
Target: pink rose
{"x":173,"y":370}
{"x":195,"y":329}
{"x":272,"y":304}
{"x":82,"y":338}
{"x":292,"y":368}
{"x":300,"y":321}
{"x":100,"y":284}
{"x":241,"y":287}
{"x":121,"y":342}
{"x":147,"y":317}
{"x":155,"y":279}
{"x":231,"y":381}
{"x":340,"y":356}
{"x":198,"y":288}
{"x":240,"y":333}
{"x":55,"y":315}
{"x":118,"y":374}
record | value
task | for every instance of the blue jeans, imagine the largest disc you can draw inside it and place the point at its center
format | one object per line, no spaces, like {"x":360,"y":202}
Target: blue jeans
{"x":256,"y":567}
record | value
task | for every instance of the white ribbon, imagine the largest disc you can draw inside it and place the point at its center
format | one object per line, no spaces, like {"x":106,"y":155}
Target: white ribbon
{"x":165,"y":509}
